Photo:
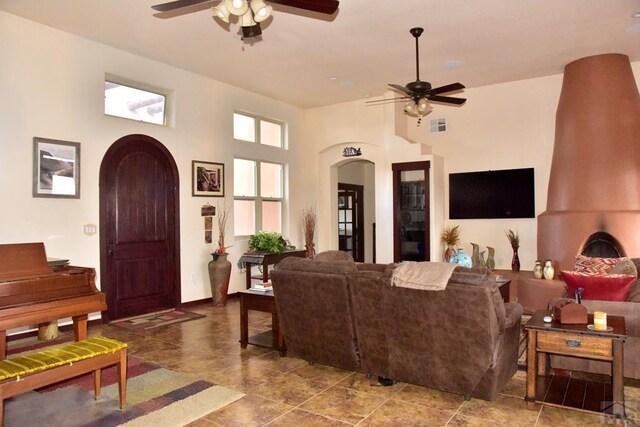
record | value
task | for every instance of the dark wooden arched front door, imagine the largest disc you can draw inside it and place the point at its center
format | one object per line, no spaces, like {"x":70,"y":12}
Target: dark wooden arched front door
{"x":139,"y":228}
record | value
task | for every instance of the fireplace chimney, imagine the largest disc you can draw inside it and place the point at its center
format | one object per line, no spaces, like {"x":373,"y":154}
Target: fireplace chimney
{"x":594,"y":184}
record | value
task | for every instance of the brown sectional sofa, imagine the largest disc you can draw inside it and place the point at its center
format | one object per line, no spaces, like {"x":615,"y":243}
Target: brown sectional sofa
{"x":462,"y":340}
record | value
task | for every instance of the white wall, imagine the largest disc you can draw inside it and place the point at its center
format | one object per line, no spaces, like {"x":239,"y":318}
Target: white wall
{"x":52,"y":86}
{"x":503,"y":126}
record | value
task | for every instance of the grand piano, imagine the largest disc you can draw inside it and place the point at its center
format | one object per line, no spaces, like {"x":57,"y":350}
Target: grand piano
{"x":31,"y":292}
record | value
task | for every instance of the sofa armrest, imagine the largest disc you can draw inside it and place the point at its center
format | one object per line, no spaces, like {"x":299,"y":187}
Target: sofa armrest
{"x":514,"y":314}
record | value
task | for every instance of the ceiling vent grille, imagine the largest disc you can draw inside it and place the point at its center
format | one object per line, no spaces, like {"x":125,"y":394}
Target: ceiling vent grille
{"x":438,"y":125}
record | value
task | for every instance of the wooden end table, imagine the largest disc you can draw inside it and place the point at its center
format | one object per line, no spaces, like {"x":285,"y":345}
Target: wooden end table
{"x":575,"y":341}
{"x":265,"y":302}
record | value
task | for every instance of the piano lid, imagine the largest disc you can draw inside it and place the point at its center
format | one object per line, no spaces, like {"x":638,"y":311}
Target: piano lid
{"x":22,"y":260}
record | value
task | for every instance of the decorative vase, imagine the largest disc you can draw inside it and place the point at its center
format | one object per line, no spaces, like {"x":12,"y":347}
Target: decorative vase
{"x":537,"y":270}
{"x":491,"y":261}
{"x":475,"y":255}
{"x":449,"y":252}
{"x":219,"y":275}
{"x":481,"y":263}
{"x":548,"y":271}
{"x":461,"y":259}
{"x":515,"y":261}
{"x":311,"y":251}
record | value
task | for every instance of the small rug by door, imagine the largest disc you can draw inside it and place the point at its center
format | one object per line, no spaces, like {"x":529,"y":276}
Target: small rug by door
{"x":156,"y":320}
{"x":156,"y":396}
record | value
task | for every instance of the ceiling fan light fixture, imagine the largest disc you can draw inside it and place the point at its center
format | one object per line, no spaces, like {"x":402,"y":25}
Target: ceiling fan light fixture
{"x":237,"y":7}
{"x":260,"y":10}
{"x":247,"y":19}
{"x":410,"y":108}
{"x":423,"y":106}
{"x":221,"y":12}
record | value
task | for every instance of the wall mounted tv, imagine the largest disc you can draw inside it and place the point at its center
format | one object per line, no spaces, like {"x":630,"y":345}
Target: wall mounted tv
{"x":508,"y":193}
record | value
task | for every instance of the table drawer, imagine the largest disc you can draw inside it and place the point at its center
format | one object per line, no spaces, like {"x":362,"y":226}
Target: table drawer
{"x":574,"y":344}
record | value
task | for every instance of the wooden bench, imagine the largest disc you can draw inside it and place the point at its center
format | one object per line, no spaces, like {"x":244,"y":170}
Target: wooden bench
{"x":37,"y":369}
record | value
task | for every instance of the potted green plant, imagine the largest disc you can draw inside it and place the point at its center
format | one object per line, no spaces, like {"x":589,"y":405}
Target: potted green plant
{"x":267,"y":241}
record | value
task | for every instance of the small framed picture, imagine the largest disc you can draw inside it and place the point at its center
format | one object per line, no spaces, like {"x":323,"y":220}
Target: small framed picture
{"x":56,"y":168}
{"x":207,"y":179}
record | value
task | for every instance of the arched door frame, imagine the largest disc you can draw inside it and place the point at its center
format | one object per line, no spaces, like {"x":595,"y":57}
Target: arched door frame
{"x":121,"y":144}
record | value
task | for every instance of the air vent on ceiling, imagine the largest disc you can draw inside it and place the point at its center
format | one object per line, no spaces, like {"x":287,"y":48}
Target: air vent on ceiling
{"x":438,"y":125}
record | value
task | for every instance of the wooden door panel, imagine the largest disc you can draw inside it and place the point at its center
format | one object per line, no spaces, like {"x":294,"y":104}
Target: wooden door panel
{"x":139,"y":231}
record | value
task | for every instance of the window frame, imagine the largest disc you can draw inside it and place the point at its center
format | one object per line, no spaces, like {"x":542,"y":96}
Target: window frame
{"x":167,"y":94}
{"x":258,"y":130}
{"x":258,"y":199}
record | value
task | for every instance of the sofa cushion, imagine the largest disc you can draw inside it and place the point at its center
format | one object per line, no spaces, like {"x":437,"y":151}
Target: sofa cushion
{"x":596,"y":287}
{"x":601,"y":266}
{"x":333,"y":255}
{"x":625,"y":266}
{"x":306,"y":265}
{"x":472,"y":276}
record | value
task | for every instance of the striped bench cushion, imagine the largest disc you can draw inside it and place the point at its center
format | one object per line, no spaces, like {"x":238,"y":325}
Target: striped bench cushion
{"x":50,"y":358}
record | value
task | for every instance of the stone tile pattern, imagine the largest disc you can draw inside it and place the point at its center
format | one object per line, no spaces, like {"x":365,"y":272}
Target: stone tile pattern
{"x":287,"y":391}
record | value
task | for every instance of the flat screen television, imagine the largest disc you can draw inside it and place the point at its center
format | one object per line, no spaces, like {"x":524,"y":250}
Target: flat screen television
{"x":507,"y":193}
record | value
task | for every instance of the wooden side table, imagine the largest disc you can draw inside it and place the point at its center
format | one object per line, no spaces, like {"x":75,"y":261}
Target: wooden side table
{"x":577,"y":341}
{"x":265,"y":260}
{"x":266,"y":302}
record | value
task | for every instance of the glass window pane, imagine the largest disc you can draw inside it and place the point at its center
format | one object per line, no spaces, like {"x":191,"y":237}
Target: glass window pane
{"x":244,"y":217}
{"x":135,"y":104}
{"x":270,"y":180}
{"x":244,"y":127}
{"x":244,"y":178}
{"x":271,"y":217}
{"x":270,"y":133}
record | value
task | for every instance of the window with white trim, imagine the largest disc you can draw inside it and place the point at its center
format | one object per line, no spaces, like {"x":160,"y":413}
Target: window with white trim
{"x":258,"y":193}
{"x":134,"y":101}
{"x":252,"y":128}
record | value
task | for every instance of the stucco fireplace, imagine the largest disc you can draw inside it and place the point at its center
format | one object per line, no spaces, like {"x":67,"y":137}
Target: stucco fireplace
{"x":593,"y":200}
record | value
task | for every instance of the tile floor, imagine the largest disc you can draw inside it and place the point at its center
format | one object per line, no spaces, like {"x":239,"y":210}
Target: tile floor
{"x":290,"y":392}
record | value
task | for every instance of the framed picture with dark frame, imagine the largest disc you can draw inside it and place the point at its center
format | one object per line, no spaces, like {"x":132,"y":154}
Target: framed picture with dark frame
{"x":207,"y":179}
{"x":56,"y":168}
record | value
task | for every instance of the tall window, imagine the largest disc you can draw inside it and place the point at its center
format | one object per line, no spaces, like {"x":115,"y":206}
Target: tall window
{"x":258,"y":184}
{"x":257,"y":190}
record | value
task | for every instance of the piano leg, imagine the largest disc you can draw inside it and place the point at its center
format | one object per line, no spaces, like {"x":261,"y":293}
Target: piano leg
{"x":80,"y":326}
{"x":3,"y":346}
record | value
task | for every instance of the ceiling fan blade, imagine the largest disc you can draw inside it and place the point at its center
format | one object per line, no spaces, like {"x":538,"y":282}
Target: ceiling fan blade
{"x":387,"y":99}
{"x":446,"y":99}
{"x":401,"y":89}
{"x":323,"y":6}
{"x":178,"y":4}
{"x":445,"y":89}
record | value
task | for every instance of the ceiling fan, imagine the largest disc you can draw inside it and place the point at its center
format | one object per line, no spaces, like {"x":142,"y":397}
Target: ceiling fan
{"x":420,"y":93}
{"x":249,"y":12}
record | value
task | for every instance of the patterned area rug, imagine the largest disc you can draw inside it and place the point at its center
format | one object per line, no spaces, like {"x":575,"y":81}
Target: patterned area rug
{"x":156,"y":396}
{"x":156,"y":320}
{"x":522,"y":348}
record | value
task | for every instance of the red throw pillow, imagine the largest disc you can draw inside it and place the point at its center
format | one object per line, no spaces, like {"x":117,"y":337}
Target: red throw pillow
{"x":614,"y":287}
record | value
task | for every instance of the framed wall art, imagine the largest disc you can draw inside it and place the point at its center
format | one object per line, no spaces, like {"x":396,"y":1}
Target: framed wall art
{"x":56,"y":168}
{"x":207,"y":179}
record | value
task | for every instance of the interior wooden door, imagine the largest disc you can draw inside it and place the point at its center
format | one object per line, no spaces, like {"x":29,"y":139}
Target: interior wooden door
{"x":351,"y":220}
{"x":139,"y":228}
{"x":411,"y":231}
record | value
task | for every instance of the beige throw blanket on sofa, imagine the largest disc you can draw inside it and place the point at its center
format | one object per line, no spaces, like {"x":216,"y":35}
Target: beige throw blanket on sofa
{"x":431,"y":276}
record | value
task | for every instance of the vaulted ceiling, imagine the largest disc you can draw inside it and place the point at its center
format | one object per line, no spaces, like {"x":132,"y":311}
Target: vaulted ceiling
{"x":309,"y":60}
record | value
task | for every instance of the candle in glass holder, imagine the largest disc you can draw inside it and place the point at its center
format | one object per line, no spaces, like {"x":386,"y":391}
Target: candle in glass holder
{"x":600,"y":320}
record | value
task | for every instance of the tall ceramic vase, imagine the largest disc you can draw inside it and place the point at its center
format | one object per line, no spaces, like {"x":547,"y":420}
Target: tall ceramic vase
{"x":219,"y":275}
{"x":515,"y":261}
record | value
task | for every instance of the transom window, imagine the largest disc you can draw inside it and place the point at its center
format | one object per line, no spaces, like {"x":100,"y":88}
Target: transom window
{"x":134,"y":103}
{"x":258,"y":190}
{"x":251,"y":128}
